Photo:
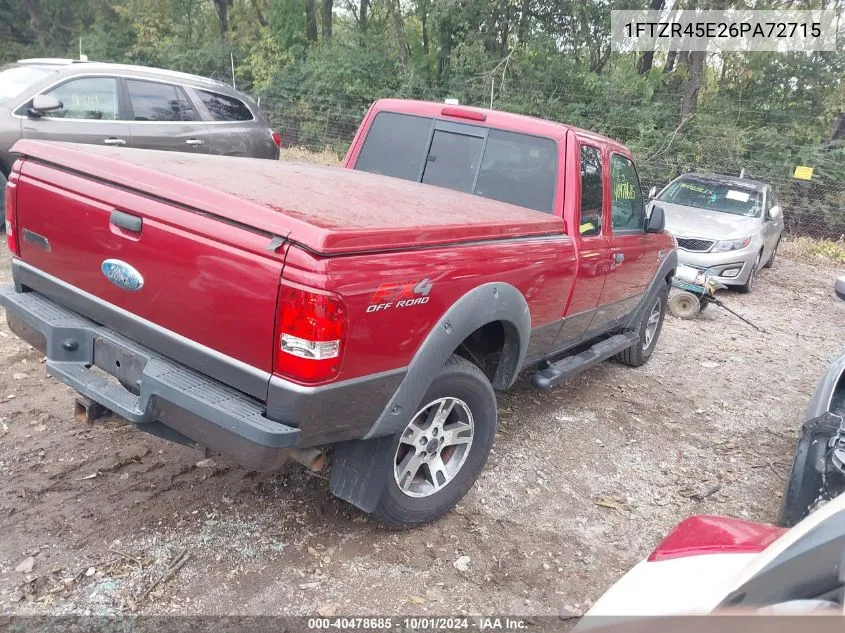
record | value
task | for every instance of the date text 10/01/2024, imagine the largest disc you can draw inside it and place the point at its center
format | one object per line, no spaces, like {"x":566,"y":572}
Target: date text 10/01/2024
{"x":419,"y":624}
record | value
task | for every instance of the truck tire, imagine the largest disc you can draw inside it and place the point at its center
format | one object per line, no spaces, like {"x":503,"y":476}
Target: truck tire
{"x":648,"y":328}
{"x":437,"y":457}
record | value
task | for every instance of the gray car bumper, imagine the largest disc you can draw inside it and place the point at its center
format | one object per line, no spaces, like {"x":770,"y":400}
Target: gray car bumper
{"x":716,"y":264}
{"x":161,"y":390}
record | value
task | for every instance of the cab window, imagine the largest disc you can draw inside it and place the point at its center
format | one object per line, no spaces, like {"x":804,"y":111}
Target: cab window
{"x":592,"y":191}
{"x":520,"y":169}
{"x":453,"y":160}
{"x":86,"y":98}
{"x":628,"y":209}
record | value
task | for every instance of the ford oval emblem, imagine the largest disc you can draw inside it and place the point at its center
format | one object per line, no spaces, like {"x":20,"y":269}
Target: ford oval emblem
{"x":122,"y":275}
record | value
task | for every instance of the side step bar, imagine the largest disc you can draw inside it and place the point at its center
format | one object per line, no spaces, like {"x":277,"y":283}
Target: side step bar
{"x":557,"y":372}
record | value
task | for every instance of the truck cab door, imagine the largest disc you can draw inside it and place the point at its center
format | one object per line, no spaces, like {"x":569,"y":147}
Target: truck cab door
{"x":90,"y":113}
{"x":633,"y":260}
{"x":591,"y":235}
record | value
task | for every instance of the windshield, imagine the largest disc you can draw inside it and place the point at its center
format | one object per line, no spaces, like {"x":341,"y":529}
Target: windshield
{"x":713,"y":196}
{"x":14,"y":80}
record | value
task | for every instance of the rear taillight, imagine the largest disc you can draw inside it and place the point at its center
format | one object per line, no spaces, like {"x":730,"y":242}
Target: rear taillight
{"x":11,"y":218}
{"x":310,"y":334}
{"x":277,"y":138}
{"x":706,"y":534}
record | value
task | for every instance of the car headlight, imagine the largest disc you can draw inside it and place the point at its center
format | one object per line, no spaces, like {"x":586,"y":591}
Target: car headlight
{"x":730,"y":245}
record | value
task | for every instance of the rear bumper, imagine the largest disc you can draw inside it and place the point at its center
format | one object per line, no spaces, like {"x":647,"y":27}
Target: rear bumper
{"x":324,"y":414}
{"x":164,"y":391}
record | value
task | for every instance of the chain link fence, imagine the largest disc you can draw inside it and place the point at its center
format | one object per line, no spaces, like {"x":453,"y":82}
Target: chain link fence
{"x":813,"y":207}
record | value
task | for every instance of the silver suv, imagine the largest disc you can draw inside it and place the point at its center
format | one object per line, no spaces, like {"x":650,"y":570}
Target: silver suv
{"x":130,"y":106}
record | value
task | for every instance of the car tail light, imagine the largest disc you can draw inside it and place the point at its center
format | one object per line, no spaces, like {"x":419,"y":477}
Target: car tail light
{"x":11,"y":218}
{"x":310,"y":334}
{"x":706,"y":534}
{"x":277,"y":138}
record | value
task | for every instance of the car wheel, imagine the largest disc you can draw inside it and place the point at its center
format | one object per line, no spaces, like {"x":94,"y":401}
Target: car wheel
{"x":772,"y":258}
{"x":749,"y":285}
{"x":684,"y":305}
{"x":438,"y":455}
{"x":648,"y":328}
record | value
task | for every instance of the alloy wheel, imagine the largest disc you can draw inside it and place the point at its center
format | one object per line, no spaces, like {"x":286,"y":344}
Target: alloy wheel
{"x":652,"y":323}
{"x":433,"y":447}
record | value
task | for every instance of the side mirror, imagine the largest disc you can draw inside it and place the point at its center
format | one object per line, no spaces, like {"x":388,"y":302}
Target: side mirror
{"x":775,"y":213}
{"x":652,"y":192}
{"x":839,"y":287}
{"x":42,"y":104}
{"x":656,"y":221}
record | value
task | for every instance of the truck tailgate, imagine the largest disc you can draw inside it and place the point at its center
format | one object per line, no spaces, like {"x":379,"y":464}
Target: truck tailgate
{"x":212,"y":282}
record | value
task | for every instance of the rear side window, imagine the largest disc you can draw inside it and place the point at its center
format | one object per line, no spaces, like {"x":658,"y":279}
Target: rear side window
{"x":395,"y":145}
{"x":86,"y":98}
{"x":592,"y":192}
{"x":153,"y":101}
{"x":224,"y":108}
{"x":628,"y":209}
{"x":516,"y":168}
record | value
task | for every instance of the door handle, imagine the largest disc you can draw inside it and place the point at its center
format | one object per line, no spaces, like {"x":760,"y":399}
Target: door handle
{"x":195,"y":141}
{"x":127,"y":221}
{"x":619,"y":257}
{"x":114,"y":141}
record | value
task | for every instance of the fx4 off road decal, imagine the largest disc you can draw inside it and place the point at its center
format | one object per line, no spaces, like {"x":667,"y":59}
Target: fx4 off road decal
{"x":400,"y":294}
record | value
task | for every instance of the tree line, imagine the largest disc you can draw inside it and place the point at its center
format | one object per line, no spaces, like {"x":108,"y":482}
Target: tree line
{"x":317,"y":64}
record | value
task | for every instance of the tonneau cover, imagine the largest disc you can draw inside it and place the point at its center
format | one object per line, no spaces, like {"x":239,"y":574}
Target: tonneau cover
{"x":329,"y":210}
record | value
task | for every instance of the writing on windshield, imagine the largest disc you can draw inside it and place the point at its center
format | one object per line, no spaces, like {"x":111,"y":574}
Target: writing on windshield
{"x":714,"y":196}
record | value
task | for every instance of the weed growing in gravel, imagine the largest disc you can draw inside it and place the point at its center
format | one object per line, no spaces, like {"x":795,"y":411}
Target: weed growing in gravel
{"x":810,"y":248}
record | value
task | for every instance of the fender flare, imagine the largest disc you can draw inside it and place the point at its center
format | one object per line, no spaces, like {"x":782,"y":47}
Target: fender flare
{"x":361,"y":468}
{"x":482,"y":305}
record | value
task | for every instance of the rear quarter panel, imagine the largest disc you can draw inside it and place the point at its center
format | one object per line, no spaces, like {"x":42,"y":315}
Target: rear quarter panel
{"x":542,"y":269}
{"x":249,"y":138}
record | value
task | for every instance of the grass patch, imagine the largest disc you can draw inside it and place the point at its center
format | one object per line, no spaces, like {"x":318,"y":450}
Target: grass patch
{"x":303,"y":155}
{"x":814,"y":249}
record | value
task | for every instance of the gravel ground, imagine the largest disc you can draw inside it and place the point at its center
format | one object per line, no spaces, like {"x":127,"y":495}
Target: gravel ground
{"x":583,"y":481}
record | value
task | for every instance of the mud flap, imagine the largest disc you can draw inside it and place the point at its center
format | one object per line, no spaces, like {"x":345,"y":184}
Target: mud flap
{"x":360,"y":471}
{"x":808,"y":481}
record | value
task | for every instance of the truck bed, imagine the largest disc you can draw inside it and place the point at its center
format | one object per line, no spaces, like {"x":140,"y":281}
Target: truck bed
{"x":328,"y":210}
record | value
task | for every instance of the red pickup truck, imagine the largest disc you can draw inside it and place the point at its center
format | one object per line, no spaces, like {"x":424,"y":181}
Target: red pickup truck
{"x":275,"y":310}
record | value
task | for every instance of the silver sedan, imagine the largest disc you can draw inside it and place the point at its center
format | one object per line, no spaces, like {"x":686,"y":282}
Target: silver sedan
{"x":728,"y":227}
